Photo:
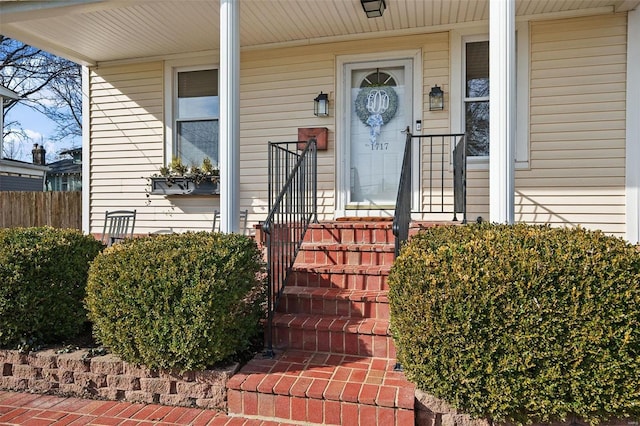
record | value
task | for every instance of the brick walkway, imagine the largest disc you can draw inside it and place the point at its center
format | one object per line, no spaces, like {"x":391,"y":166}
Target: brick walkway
{"x":39,"y":410}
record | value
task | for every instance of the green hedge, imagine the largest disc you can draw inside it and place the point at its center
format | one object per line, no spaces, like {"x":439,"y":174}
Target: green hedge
{"x":520,"y":323}
{"x":43,"y":275}
{"x":181,"y":301}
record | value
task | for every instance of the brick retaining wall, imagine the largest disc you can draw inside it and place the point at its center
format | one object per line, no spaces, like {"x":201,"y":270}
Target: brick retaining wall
{"x":108,"y":377}
{"x":431,"y":411}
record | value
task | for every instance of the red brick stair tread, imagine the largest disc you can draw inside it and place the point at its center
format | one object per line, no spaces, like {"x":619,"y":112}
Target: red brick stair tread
{"x":319,"y":268}
{"x":379,"y":296}
{"x":373,"y":326}
{"x":350,"y":232}
{"x":365,"y":219}
{"x":334,"y":377}
{"x":341,"y":224}
{"x":322,"y":246}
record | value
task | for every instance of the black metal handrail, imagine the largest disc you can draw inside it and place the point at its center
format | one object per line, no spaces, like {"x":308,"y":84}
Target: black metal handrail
{"x":402,"y":216}
{"x":293,"y":191}
{"x":433,"y":151}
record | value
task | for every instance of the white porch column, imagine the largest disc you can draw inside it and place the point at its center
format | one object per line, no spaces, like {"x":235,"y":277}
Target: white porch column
{"x":502,"y":101}
{"x":229,"y":115}
{"x":86,"y":152}
{"x":633,"y":127}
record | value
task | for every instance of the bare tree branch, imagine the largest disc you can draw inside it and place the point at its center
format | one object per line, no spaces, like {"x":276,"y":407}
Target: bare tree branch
{"x":48,"y":84}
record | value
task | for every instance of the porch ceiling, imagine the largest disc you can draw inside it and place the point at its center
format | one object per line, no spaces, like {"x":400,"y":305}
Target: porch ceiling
{"x":93,"y":31}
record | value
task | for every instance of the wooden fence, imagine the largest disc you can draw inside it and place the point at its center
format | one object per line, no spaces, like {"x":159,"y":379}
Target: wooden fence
{"x":57,"y":209}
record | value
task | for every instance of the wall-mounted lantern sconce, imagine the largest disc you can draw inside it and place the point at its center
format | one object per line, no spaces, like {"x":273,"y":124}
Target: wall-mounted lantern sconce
{"x":321,"y":105}
{"x":373,"y":8}
{"x":436,"y":99}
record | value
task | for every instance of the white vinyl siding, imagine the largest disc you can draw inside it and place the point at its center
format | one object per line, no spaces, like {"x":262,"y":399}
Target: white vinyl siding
{"x":576,"y":170}
{"x":435,"y":58}
{"x":576,"y":167}
{"x":277,"y":88}
{"x":277,"y":91}
{"x":437,"y":62}
{"x":128,"y":145}
{"x":276,"y":97}
{"x":577,"y":174}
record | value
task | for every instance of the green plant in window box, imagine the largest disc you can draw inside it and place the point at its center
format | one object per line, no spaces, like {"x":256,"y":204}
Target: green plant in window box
{"x":180,"y":179}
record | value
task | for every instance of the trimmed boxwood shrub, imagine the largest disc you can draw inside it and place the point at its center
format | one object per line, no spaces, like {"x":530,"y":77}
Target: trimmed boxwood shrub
{"x":520,"y":323}
{"x":180,"y":301}
{"x":43,"y":276}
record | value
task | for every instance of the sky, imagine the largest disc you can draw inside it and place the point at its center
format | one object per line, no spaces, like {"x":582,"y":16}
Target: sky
{"x":39,"y":129}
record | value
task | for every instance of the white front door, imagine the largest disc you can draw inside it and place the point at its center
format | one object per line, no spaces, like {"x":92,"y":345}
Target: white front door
{"x":378,"y":99}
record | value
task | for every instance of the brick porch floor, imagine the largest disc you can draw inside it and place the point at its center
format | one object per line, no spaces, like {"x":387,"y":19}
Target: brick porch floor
{"x":39,"y":410}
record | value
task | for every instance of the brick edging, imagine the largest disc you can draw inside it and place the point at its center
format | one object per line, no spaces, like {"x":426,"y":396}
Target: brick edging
{"x":432,"y":411}
{"x":108,"y":377}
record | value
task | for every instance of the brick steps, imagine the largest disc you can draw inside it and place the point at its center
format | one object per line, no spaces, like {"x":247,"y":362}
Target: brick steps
{"x":341,"y":335}
{"x":334,"y":353}
{"x":323,"y":388}
{"x":335,"y":301}
{"x":347,"y":254}
{"x":357,"y":277}
{"x":351,"y":232}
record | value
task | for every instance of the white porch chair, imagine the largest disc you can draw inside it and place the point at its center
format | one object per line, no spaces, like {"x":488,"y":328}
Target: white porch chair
{"x":243,"y":221}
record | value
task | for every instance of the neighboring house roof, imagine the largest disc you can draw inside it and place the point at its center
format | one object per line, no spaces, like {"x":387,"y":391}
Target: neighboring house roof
{"x":66,"y":174}
{"x":74,"y":152}
{"x":66,"y":166}
{"x":93,"y":31}
{"x":9,"y":166}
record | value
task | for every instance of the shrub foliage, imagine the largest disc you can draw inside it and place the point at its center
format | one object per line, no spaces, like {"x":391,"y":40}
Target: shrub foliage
{"x":181,"y":301}
{"x":520,"y":323}
{"x":43,"y":276}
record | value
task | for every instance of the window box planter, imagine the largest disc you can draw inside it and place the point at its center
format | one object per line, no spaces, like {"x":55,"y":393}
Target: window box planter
{"x":180,"y":185}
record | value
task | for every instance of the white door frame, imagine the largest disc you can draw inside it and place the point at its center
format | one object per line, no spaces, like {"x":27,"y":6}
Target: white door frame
{"x":342,"y":159}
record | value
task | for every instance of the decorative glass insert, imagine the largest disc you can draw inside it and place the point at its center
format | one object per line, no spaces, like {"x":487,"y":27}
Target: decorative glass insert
{"x":378,"y":78}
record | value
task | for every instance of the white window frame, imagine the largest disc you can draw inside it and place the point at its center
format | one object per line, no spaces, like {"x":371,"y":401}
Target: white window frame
{"x":171,"y":70}
{"x":458,"y":41}
{"x":465,"y":99}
